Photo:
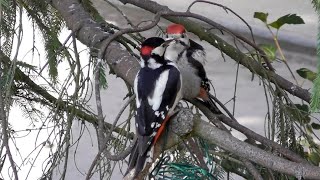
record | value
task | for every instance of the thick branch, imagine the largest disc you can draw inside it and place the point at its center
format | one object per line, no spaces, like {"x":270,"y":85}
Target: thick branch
{"x":252,"y":153}
{"x":250,"y":134}
{"x":228,"y":49}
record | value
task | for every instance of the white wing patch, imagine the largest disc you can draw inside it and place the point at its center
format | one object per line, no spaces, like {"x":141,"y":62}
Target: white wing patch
{"x":152,"y":63}
{"x":160,"y":86}
{"x":135,"y":88}
{"x":200,"y":56}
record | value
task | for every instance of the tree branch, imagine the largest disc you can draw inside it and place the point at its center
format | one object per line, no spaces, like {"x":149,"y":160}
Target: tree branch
{"x":254,"y":154}
{"x":250,"y":134}
{"x":226,"y":48}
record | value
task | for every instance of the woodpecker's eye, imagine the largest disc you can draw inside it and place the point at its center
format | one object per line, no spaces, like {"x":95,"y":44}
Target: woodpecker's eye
{"x":183,"y":35}
{"x":167,"y":36}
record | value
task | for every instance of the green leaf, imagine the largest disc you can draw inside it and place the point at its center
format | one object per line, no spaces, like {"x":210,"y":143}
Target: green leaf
{"x":315,"y":126}
{"x":314,"y":158}
{"x":261,"y":15}
{"x":287,"y":19}
{"x":307,"y":74}
{"x":270,"y":51}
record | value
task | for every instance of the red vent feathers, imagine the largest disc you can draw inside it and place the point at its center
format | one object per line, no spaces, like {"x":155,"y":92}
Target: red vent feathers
{"x":175,"y":29}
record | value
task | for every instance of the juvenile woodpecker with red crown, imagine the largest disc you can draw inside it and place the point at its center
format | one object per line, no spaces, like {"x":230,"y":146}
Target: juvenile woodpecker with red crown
{"x":190,"y":59}
{"x":157,"y":87}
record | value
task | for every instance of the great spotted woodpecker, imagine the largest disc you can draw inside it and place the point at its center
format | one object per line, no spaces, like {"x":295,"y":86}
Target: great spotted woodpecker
{"x":190,"y":58}
{"x":158,"y":90}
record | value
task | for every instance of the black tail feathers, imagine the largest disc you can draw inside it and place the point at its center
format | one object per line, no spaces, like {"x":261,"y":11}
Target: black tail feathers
{"x":137,"y":161}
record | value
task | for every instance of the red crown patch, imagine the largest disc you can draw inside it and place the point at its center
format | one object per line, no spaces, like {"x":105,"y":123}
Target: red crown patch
{"x":175,"y":29}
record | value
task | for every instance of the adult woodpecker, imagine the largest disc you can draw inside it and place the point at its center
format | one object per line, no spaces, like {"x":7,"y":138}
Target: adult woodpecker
{"x":190,"y":58}
{"x":157,"y":87}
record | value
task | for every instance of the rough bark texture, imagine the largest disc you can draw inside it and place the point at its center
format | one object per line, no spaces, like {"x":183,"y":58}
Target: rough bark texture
{"x":254,"y":154}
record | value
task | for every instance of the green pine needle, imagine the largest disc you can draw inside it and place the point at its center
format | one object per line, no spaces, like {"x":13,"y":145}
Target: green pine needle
{"x":315,"y":101}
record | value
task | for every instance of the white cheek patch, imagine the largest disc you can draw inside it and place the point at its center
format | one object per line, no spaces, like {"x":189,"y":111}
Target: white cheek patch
{"x":153,"y":64}
{"x":156,"y":100}
{"x":158,"y":50}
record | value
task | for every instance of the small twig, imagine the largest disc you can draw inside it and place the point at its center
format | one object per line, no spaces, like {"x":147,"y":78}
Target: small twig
{"x":105,"y":43}
{"x":219,"y":26}
{"x":108,"y":154}
{"x":235,"y":90}
{"x":267,"y":61}
{"x":63,"y":46}
{"x":5,"y":99}
{"x":5,"y":138}
{"x":223,"y":107}
{"x":99,"y":106}
{"x":250,"y":134}
{"x":282,"y":55}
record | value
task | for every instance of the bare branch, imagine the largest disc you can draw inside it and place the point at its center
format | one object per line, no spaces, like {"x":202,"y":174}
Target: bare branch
{"x":5,"y":134}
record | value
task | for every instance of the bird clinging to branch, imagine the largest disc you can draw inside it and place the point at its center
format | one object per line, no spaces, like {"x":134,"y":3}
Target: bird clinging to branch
{"x":158,"y":90}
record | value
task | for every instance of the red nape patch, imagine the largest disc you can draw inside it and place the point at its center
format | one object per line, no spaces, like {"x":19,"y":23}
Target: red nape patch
{"x":175,"y":29}
{"x":146,"y":50}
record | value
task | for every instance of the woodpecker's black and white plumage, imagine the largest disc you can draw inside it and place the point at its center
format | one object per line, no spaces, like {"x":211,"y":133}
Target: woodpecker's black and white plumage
{"x":190,"y":58}
{"x":158,"y":90}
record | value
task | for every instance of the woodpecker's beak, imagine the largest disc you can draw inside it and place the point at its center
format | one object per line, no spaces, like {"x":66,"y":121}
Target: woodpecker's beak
{"x":167,"y":42}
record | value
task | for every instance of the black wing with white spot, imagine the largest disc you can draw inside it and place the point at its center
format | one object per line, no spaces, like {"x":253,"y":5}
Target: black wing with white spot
{"x":157,"y":92}
{"x":155,"y":103}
